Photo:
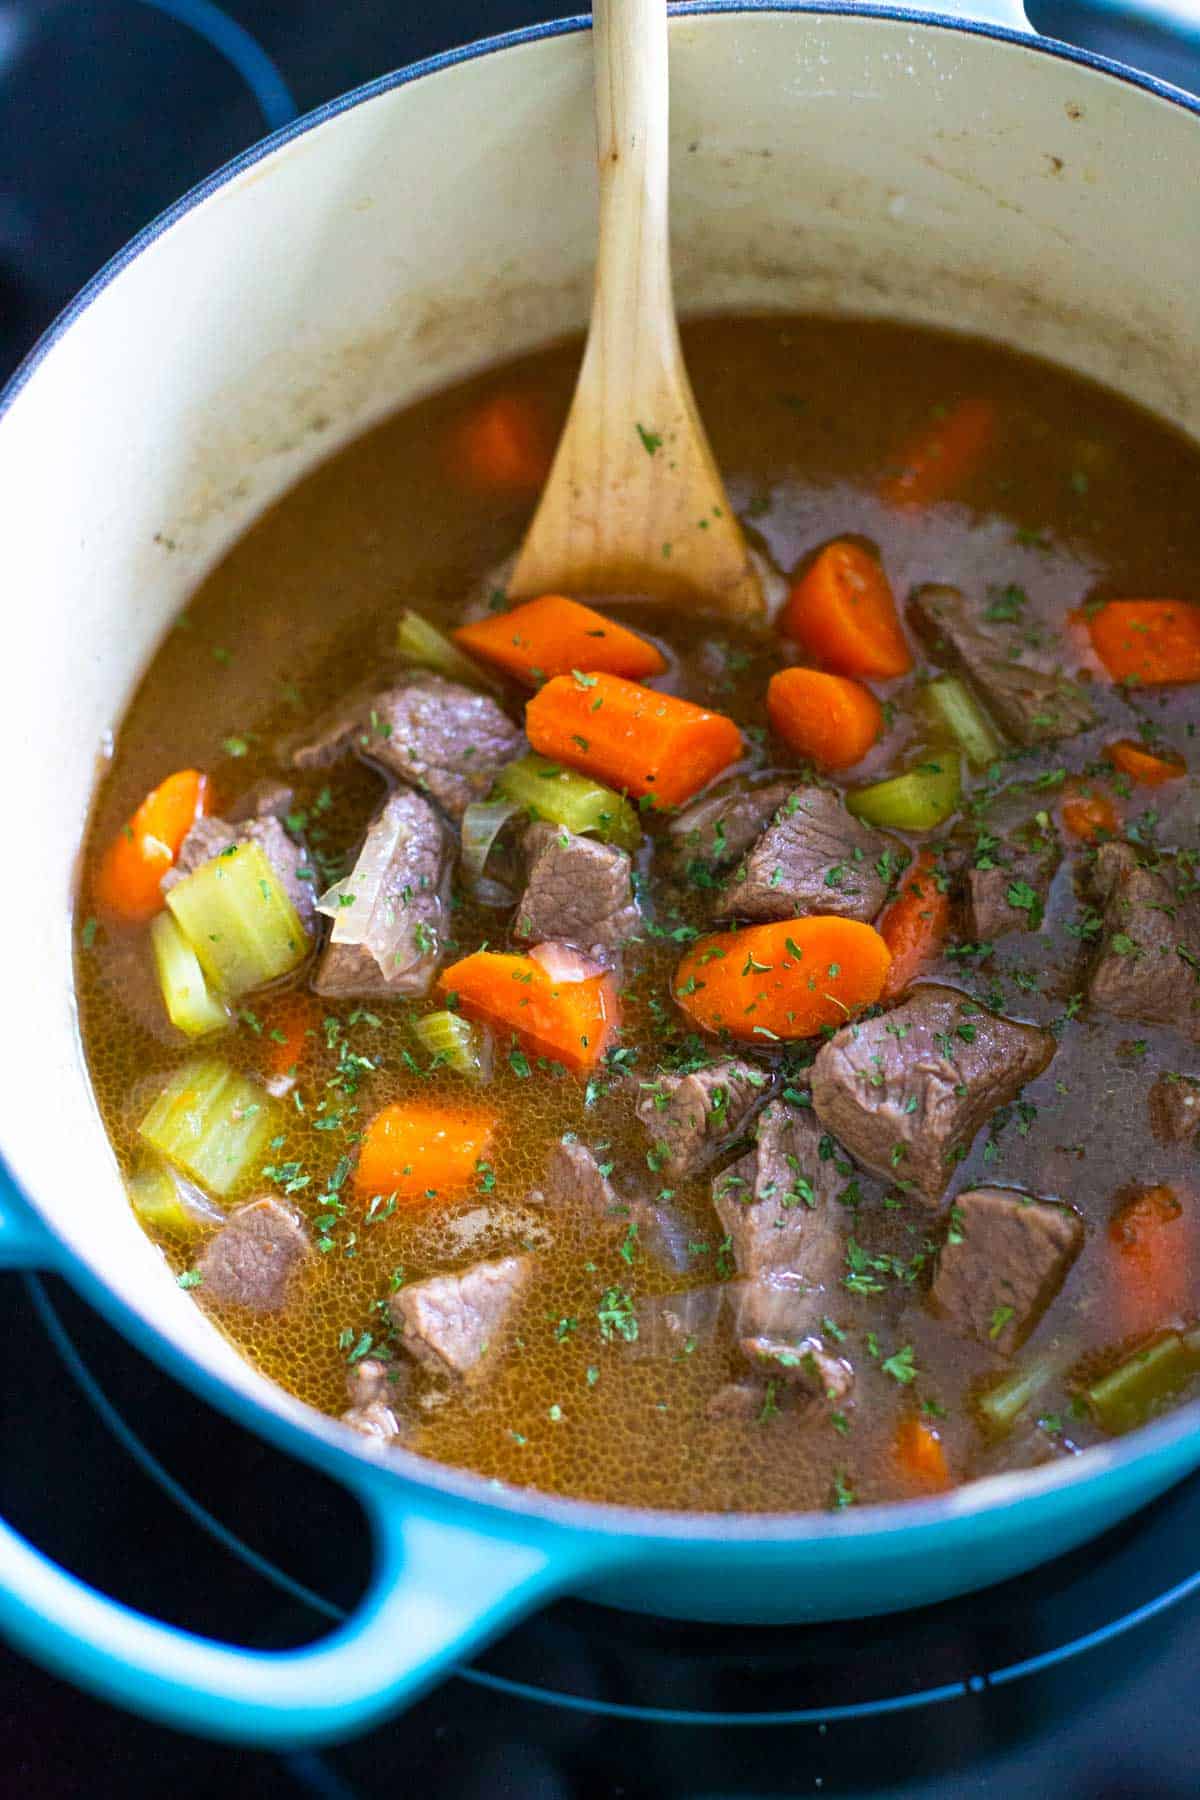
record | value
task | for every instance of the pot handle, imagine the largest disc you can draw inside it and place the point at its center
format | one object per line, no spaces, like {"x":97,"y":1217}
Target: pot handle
{"x":439,"y":1589}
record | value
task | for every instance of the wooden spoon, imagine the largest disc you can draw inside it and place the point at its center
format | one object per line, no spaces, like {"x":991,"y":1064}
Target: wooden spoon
{"x":634,"y":502}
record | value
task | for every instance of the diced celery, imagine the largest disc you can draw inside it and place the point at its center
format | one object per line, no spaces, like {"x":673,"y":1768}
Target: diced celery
{"x":235,"y":913}
{"x":213,"y":1123}
{"x":163,"y":1200}
{"x":1002,"y":1404}
{"x":571,"y":800}
{"x":918,"y":801}
{"x":423,"y":646}
{"x":952,"y":705}
{"x":455,"y":1043}
{"x":190,"y":1002}
{"x":1135,"y":1391}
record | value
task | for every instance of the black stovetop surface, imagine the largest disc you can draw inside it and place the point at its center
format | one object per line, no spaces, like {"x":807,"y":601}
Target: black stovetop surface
{"x":109,"y":109}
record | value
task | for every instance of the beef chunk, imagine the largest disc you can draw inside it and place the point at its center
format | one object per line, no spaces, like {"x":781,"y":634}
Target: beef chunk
{"x":251,"y":1260}
{"x":905,"y":1092}
{"x":813,"y":858}
{"x":1006,"y":1257}
{"x":372,"y":1379}
{"x":776,"y":1203}
{"x":1031,"y":705}
{"x":1149,"y":961}
{"x":738,"y":1400}
{"x":443,"y":738}
{"x":807,"y":1363}
{"x":1175,"y":1108}
{"x":211,"y":837}
{"x":451,"y":1323}
{"x":401,"y":880}
{"x":1010,"y":896}
{"x":577,"y":891}
{"x":714,"y":831}
{"x":690,"y":1117}
{"x":574,"y":1180}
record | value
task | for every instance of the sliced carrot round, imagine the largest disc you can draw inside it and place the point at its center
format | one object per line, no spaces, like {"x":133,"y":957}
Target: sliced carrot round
{"x":503,"y":445}
{"x":789,"y":979}
{"x":830,"y":719}
{"x":568,"y":1022}
{"x":554,"y":635}
{"x":1089,"y":814}
{"x":422,"y":1152}
{"x":843,"y":612}
{"x":1155,"y":642}
{"x":1148,"y":767}
{"x":920,"y":1455}
{"x":914,"y":925}
{"x":941,"y":459}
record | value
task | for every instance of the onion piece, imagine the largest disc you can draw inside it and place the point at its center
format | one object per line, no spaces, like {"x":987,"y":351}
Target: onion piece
{"x":562,"y":963}
{"x":351,"y":902}
{"x":482,"y":824}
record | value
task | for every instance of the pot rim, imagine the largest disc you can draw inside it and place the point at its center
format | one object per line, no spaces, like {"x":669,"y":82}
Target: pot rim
{"x":318,"y":1438}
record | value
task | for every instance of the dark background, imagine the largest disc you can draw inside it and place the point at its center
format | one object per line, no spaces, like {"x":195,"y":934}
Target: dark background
{"x":108,"y":112}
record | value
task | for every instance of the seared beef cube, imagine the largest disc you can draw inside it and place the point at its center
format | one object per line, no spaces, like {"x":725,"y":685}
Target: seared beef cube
{"x":907,"y":1091}
{"x":813,"y":858}
{"x":400,"y":886}
{"x":375,"y":1420}
{"x":211,"y":837}
{"x":577,"y":891}
{"x":713,"y":832}
{"x":455,"y":1324}
{"x":738,"y":1400}
{"x":574,"y":1181}
{"x":1033,"y":706}
{"x":808,"y":1364}
{"x":1149,"y":962}
{"x":1003,"y":1262}
{"x":776,"y":1203}
{"x":1010,"y":896}
{"x":690,"y":1117}
{"x":1175,"y":1108}
{"x":443,"y":738}
{"x":251,"y":1260}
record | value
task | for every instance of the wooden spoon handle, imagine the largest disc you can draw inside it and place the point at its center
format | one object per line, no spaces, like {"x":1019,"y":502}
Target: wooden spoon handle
{"x":635,"y":502}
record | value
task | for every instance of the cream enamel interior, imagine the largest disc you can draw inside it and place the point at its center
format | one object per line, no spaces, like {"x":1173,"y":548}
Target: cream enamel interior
{"x":835,"y":162}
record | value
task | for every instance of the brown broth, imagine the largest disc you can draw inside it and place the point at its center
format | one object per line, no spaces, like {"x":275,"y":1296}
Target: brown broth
{"x":1082,"y":496}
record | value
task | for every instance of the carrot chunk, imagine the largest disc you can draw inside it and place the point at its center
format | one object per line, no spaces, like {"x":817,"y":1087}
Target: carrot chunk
{"x":127,"y":882}
{"x":422,"y":1153}
{"x":844,"y":613}
{"x":830,"y":719}
{"x":941,"y":459}
{"x":569,"y":1022}
{"x":914,"y":926}
{"x":1089,"y":814}
{"x":504,"y":444}
{"x":920,"y":1455}
{"x":287,"y":1025}
{"x":631,"y":737}
{"x":784,"y":980}
{"x":1151,"y":1244}
{"x":554,"y":635}
{"x":1145,"y":766}
{"x":1150,"y":641}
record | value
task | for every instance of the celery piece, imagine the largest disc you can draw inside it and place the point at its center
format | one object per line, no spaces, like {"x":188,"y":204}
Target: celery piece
{"x":235,"y":913}
{"x":1002,"y":1404}
{"x":566,"y":798}
{"x":455,"y":1043}
{"x":1135,"y":1391}
{"x":914,"y":802}
{"x":423,"y":646}
{"x":162,"y":1199}
{"x":952,"y":705}
{"x":213,"y":1123}
{"x":190,"y":1002}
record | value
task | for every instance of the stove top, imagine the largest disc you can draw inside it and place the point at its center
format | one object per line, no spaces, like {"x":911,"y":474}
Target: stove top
{"x":1075,"y":1681}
